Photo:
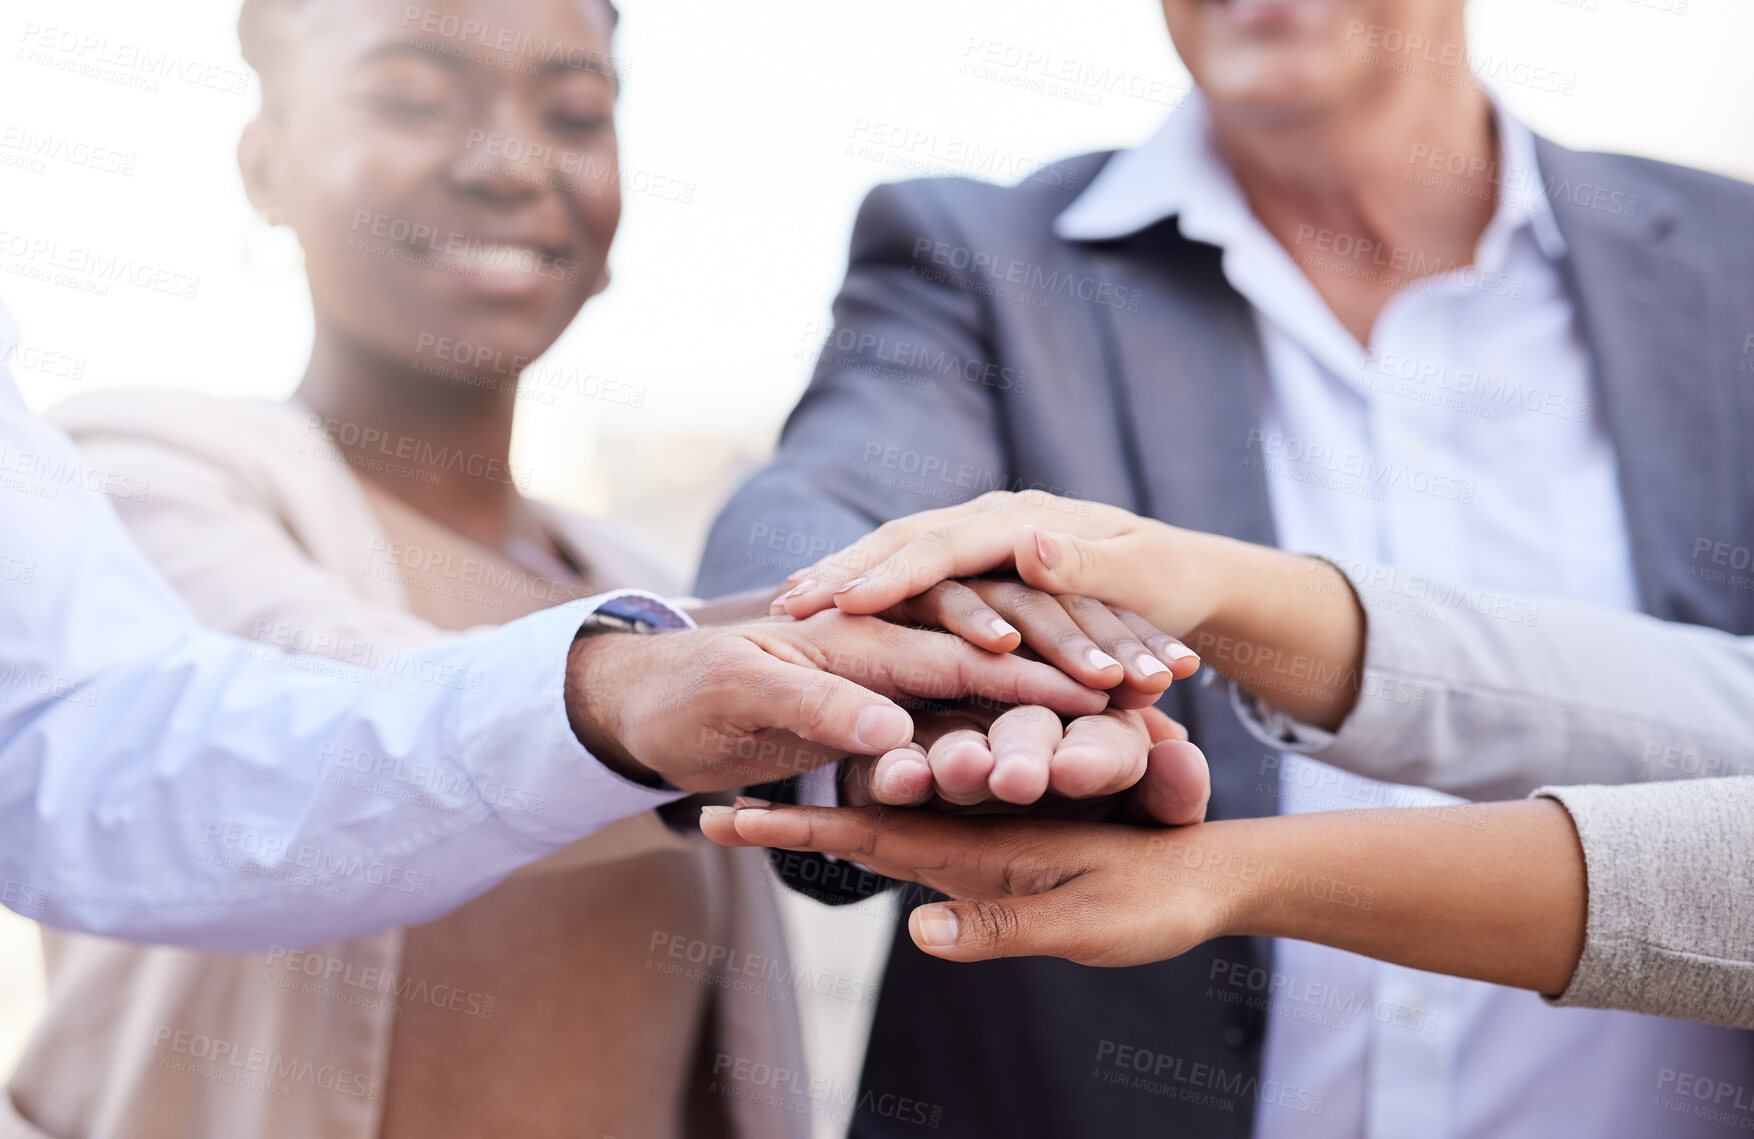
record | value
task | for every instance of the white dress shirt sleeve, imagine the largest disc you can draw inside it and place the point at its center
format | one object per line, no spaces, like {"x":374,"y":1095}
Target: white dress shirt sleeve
{"x":164,"y":783}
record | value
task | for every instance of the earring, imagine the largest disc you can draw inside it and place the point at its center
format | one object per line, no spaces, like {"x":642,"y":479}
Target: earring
{"x":271,"y":247}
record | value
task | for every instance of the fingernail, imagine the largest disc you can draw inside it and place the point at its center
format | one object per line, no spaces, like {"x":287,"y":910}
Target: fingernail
{"x":1179,"y":651}
{"x":752,"y":812}
{"x":1047,"y":550}
{"x":1150,"y":665}
{"x":853,"y":584}
{"x":1002,"y":627}
{"x":883,"y":726}
{"x":1099,"y":659}
{"x":748,"y":801}
{"x":802,"y":587}
{"x":715,"y":812}
{"x":937,"y":926}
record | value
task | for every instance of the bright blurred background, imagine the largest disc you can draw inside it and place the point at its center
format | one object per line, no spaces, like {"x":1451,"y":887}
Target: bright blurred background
{"x":751,"y":114}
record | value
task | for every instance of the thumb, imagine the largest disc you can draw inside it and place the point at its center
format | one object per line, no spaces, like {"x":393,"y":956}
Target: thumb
{"x":1175,"y":788}
{"x":1107,"y":569}
{"x":1052,"y":924}
{"x":825,"y":709}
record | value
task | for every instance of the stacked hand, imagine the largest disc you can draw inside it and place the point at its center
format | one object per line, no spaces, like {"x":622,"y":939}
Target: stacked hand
{"x":1094,"y":893}
{"x":1501,"y":898}
{"x":1036,"y":693}
{"x":1081,"y":554}
{"x":1381,"y":883}
{"x":1254,"y":613}
{"x":720,"y":707}
{"x":1119,"y":763}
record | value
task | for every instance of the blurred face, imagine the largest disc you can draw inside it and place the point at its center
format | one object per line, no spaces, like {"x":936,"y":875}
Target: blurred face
{"x":450,"y":168}
{"x":1276,"y":62}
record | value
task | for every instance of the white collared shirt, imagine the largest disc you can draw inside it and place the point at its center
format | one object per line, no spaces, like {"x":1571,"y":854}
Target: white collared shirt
{"x":161,"y":782}
{"x":1461,"y":445}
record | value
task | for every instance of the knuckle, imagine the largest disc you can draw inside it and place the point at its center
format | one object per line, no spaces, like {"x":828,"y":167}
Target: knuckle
{"x":865,"y":838}
{"x":923,"y":608}
{"x":1127,"y":646}
{"x":1029,"y":715}
{"x":721,"y":662}
{"x":994,"y":501}
{"x":1084,"y":556}
{"x":934,"y":540}
{"x":917,"y":562}
{"x":1009,"y":593}
{"x":969,"y":606}
{"x":1035,"y":606}
{"x":1072,"y":639}
{"x":816,"y":703}
{"x":1080,"y":605}
{"x":954,"y":597}
{"x":994,"y":923}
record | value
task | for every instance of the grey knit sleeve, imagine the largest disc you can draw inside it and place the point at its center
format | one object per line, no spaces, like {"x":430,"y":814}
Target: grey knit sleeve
{"x":1671,"y":898}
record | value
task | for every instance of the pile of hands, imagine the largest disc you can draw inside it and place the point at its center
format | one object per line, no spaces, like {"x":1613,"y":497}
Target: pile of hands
{"x":994,"y":724}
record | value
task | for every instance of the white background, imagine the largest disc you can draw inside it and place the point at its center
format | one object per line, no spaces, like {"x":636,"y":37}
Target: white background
{"x":717,"y":303}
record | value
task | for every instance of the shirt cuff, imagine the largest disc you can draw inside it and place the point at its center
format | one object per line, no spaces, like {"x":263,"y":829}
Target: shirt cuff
{"x":1275,"y":728}
{"x":517,"y":741}
{"x":1608,"y":950}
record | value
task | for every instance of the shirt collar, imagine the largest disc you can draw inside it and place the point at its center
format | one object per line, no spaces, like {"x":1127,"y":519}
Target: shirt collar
{"x":1178,"y":173}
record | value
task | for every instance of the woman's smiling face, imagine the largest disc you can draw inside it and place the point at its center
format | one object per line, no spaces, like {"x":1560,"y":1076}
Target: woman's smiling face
{"x":451,"y":169}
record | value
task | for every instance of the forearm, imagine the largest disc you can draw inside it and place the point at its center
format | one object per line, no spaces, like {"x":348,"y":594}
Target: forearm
{"x":217,"y":795}
{"x":1493,"y":892}
{"x":1285,"y":628}
{"x":164,"y":783}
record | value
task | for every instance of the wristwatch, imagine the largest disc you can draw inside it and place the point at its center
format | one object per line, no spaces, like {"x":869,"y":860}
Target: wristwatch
{"x":603,"y":621}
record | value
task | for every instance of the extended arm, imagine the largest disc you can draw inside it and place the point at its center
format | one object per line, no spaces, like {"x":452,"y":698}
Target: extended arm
{"x":1496,"y":892}
{"x":1383,"y":883}
{"x":1395,"y":676}
{"x":162,"y":783}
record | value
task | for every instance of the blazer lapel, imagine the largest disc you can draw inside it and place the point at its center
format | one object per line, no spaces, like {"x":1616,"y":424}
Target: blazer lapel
{"x":1186,"y":373}
{"x":1645,"y":309}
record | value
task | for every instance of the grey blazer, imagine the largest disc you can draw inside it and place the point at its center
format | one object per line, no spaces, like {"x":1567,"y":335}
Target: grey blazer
{"x":1574,"y":693}
{"x":974,"y":349}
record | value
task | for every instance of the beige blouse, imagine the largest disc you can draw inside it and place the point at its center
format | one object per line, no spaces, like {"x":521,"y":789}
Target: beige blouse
{"x":590,"y":989}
